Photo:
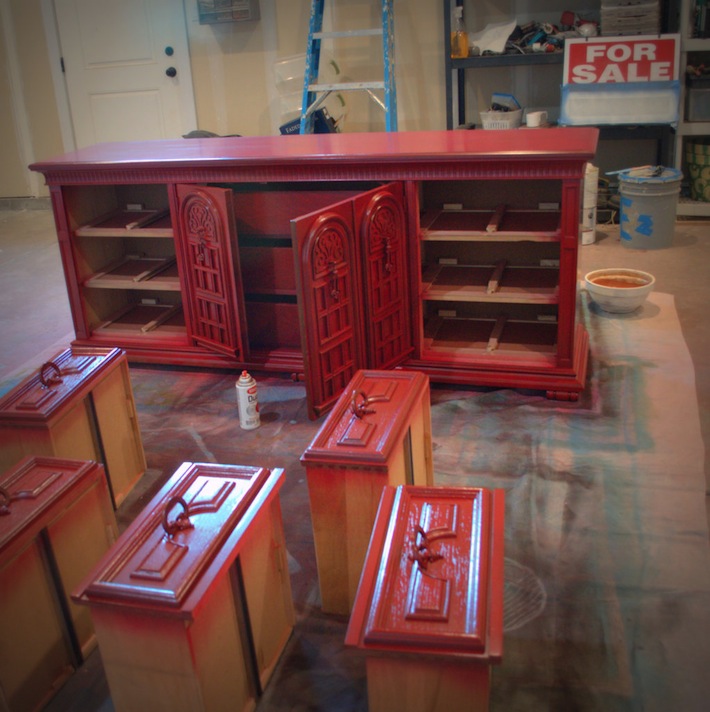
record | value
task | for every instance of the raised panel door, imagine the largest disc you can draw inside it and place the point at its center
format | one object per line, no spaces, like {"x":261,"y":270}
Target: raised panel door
{"x":329,"y":308}
{"x":381,"y":218}
{"x":208,"y":241}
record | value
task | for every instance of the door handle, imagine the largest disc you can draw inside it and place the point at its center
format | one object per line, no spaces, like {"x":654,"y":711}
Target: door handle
{"x":171,"y":71}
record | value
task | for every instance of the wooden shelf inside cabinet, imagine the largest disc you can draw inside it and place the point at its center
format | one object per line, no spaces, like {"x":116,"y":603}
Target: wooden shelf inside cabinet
{"x":267,"y":265}
{"x":535,"y":341}
{"x":145,"y":319}
{"x":129,"y":223}
{"x":491,"y":283}
{"x":491,"y":225}
{"x":138,"y":272}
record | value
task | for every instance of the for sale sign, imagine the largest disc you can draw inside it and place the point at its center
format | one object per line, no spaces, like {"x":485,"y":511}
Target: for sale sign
{"x":622,"y":60}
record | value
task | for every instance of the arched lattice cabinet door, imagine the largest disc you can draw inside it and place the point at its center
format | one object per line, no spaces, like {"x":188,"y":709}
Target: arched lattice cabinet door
{"x":208,"y":241}
{"x":328,"y":302}
{"x":381,"y":219}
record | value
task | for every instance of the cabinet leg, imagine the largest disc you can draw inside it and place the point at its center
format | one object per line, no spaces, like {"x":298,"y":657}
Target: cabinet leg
{"x":568,"y":396}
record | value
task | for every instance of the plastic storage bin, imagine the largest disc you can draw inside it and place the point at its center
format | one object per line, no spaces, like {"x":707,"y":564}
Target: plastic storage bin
{"x":698,"y":99}
{"x":501,"y":119}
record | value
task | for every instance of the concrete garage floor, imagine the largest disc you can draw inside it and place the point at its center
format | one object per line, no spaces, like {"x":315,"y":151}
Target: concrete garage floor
{"x":36,"y":324}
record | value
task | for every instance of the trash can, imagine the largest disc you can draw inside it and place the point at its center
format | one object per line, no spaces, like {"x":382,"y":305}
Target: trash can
{"x":649,"y":200}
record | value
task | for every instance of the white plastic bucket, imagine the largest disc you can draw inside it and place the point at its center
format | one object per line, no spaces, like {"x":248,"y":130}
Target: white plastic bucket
{"x":649,"y":201}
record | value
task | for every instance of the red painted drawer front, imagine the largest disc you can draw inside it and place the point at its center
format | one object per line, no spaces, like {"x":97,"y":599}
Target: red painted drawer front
{"x":57,"y":383}
{"x":368,"y":420}
{"x":433,"y":578}
{"x":158,"y":563}
{"x":30,"y":490}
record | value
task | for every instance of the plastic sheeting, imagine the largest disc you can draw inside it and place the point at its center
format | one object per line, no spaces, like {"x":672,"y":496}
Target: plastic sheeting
{"x":605,"y":510}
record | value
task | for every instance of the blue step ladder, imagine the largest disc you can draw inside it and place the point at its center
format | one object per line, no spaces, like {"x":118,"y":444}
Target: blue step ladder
{"x":314,"y":94}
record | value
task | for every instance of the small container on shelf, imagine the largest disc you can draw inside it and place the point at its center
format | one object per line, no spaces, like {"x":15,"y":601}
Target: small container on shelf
{"x":505,"y":113}
{"x":698,"y":98}
{"x":459,"y":36}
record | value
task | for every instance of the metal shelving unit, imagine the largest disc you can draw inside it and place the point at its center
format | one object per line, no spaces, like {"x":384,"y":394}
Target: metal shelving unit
{"x":687,"y":130}
{"x":460,"y":66}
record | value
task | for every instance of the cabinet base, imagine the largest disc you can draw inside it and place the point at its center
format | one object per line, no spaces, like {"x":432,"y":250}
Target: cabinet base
{"x":562,"y":384}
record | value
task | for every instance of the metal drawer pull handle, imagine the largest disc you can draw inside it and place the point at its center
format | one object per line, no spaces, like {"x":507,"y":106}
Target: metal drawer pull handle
{"x":359,"y":409}
{"x":181,"y":522}
{"x":421,"y":551}
{"x":48,"y":380}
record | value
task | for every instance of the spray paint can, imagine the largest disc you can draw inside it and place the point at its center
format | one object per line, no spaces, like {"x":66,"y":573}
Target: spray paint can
{"x":247,"y":402}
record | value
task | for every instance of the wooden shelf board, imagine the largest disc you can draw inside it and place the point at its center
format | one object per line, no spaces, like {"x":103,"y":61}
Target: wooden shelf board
{"x":471,"y":225}
{"x":529,"y":340}
{"x":145,"y":321}
{"x":520,"y":285}
{"x":129,"y":223}
{"x":134,"y":272}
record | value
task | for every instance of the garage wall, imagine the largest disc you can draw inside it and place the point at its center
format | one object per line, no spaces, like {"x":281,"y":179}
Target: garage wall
{"x":236,"y":79}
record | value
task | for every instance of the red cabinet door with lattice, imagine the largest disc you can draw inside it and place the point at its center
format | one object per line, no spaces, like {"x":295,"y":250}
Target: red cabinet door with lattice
{"x":381,"y":219}
{"x":353,"y":305}
{"x":211,"y":272}
{"x":328,"y":305}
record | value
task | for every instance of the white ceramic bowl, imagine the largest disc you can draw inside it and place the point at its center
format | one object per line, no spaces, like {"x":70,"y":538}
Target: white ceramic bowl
{"x":619,"y":290}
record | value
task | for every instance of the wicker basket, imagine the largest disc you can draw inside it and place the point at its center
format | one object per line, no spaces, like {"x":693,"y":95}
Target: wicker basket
{"x":501,"y":119}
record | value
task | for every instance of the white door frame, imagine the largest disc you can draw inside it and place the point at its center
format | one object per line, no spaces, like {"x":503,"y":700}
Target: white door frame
{"x":51,"y":33}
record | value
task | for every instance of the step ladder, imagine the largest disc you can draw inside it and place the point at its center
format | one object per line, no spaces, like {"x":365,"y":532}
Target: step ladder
{"x":314,"y":94}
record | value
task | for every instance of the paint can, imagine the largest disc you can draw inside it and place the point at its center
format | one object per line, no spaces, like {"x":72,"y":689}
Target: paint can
{"x":247,"y":402}
{"x":649,"y":201}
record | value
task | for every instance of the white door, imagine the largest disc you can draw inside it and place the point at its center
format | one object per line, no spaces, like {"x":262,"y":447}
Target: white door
{"x":127,"y":69}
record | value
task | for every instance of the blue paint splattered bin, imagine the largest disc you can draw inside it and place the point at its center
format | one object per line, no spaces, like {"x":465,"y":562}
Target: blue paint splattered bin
{"x":649,"y":200}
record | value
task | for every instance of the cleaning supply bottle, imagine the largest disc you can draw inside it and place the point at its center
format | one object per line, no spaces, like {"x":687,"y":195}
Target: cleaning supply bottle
{"x":459,"y":36}
{"x":247,"y":402}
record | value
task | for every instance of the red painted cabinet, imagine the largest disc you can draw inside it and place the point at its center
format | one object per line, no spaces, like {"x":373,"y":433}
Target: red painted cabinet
{"x":56,"y":522}
{"x":452,"y":252}
{"x":77,"y":405}
{"x":429,"y":608}
{"x":378,"y":433}
{"x":192,"y":605}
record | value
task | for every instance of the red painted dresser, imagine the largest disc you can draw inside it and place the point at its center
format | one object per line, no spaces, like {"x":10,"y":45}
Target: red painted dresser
{"x":78,"y":405}
{"x":192,"y":606}
{"x":56,"y":522}
{"x":429,"y":608}
{"x":452,"y":252}
{"x":378,"y":433}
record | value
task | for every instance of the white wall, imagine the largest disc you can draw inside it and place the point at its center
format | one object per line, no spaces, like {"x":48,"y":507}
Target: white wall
{"x":234,"y":65}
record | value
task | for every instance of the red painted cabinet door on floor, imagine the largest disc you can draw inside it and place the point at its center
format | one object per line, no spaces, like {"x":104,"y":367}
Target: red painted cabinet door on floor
{"x":381,"y":217}
{"x":208,"y":240}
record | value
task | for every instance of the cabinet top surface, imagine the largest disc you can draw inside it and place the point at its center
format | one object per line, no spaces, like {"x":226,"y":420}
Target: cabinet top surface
{"x":426,"y":581}
{"x":369,"y":419}
{"x":57,"y":383}
{"x":29,"y":491}
{"x":479,"y":145}
{"x":184,"y":538}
